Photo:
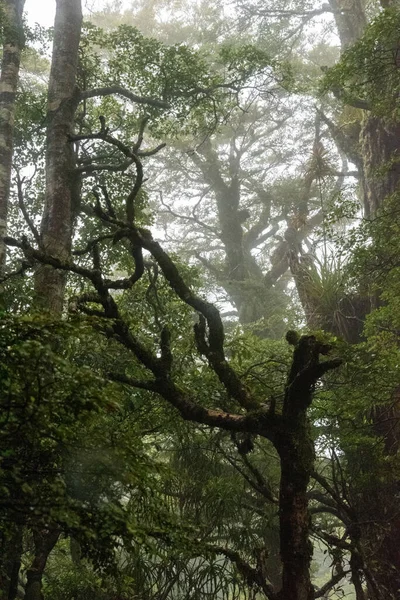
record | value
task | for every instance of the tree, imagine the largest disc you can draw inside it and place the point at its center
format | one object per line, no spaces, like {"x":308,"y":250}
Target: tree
{"x":370,"y":142}
{"x":12,"y":38}
{"x":156,"y":353}
{"x":288,"y":429}
{"x":62,"y":185}
{"x":365,"y":80}
{"x":377,"y":142}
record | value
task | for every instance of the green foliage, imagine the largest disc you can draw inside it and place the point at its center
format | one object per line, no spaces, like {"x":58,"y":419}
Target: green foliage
{"x":42,"y":398}
{"x":146,"y":496}
{"x":74,"y":579}
{"x":198,"y":87}
{"x":375,"y":263}
{"x":67,"y":453}
{"x":369,"y":69}
{"x":242,"y":61}
{"x":325,"y":284}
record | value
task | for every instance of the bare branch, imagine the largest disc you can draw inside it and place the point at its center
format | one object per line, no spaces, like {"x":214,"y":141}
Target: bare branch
{"x":258,"y":422}
{"x":24,"y":267}
{"x":132,"y":156}
{"x":192,"y":219}
{"x":42,"y":257}
{"x":292,"y":13}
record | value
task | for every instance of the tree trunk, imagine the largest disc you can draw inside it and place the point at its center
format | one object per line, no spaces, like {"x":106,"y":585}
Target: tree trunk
{"x":379,"y":137}
{"x":296,"y":451}
{"x":60,"y":210}
{"x":45,"y":541}
{"x":297,"y":457}
{"x":356,"y":569}
{"x":10,"y":560}
{"x":241,"y":277}
{"x":62,"y":183}
{"x":350,"y":20}
{"x":380,"y":145}
{"x":12,"y":45}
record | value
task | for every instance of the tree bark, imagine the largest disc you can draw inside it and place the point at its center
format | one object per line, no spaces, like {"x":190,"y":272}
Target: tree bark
{"x":62,"y":183}
{"x":13,"y":42}
{"x":296,"y":452}
{"x":297,"y":457}
{"x":12,"y":46}
{"x":10,"y":560}
{"x":379,"y":144}
{"x":379,"y":139}
{"x":350,"y":20}
{"x":60,"y":210}
{"x":44,"y":540}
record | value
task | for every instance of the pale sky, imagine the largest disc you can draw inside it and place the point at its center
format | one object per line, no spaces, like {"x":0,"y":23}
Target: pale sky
{"x":42,"y":11}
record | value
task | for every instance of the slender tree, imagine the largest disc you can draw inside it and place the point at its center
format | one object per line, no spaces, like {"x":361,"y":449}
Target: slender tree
{"x":13,"y":41}
{"x":62,"y":184}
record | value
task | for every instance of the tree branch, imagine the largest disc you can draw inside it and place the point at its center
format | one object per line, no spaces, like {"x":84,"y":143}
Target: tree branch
{"x":136,"y":383}
{"x":335,"y":579}
{"x":121,"y":91}
{"x":251,"y":575}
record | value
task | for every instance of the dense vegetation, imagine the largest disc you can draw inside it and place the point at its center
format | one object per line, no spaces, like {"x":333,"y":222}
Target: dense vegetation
{"x":199,"y":326}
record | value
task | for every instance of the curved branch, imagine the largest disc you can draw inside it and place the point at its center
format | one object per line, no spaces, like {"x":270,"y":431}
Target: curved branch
{"x":215,"y":343}
{"x":251,"y":575}
{"x":121,"y":91}
{"x":86,"y":169}
{"x":335,"y":579}
{"x":152,"y":152}
{"x":136,"y":383}
{"x":91,"y":243}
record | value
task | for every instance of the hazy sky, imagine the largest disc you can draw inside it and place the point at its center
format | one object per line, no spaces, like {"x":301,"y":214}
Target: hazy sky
{"x":42,"y":11}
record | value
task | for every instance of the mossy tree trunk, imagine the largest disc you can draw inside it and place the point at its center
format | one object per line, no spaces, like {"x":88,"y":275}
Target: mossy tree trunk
{"x":380,"y":147}
{"x":379,"y":139}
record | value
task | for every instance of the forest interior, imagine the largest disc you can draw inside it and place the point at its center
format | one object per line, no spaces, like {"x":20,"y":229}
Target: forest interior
{"x":200,"y":300}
